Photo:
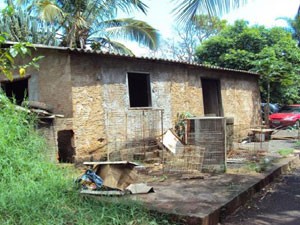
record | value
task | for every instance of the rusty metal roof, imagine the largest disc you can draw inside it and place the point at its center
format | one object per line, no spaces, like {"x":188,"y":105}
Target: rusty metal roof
{"x":99,"y":52}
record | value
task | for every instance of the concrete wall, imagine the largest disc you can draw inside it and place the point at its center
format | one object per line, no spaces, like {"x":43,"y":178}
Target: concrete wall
{"x":52,"y":82}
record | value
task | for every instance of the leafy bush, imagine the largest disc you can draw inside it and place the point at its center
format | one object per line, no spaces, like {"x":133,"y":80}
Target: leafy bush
{"x":35,"y":191}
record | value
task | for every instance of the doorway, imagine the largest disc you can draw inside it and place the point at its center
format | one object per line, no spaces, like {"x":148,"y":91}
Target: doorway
{"x":212,"y":97}
{"x":66,"y":150}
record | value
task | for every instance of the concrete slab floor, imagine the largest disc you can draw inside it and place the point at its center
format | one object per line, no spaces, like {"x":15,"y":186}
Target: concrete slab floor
{"x":206,"y":201}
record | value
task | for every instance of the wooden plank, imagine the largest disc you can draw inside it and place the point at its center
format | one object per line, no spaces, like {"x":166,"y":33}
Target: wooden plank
{"x":110,"y":163}
{"x":104,"y":193}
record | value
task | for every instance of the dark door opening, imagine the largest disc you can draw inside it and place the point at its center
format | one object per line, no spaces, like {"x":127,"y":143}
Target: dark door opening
{"x":212,"y":97}
{"x":139,"y":90}
{"x":66,"y":150}
{"x":17,"y":90}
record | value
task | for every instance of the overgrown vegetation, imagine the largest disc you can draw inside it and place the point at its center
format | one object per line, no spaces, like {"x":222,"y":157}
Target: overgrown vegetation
{"x":9,"y":53}
{"x":35,"y":191}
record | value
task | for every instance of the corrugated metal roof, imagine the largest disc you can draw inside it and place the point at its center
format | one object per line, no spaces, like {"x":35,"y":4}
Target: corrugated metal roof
{"x":99,"y":52}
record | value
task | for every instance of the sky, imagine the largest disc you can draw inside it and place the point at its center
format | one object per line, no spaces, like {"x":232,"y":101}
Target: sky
{"x":262,"y":12}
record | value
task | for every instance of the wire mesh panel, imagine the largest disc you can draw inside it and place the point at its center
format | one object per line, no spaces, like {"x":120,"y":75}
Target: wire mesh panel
{"x":209,"y":133}
{"x":188,"y":159}
{"x":133,"y":132}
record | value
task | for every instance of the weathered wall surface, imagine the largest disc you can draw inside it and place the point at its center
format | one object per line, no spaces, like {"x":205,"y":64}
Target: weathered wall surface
{"x":89,"y":89}
{"x":49,"y":131}
{"x":186,"y":93}
{"x":88,"y":111}
{"x":100,"y":98}
{"x":241,"y":100}
{"x":52,"y":82}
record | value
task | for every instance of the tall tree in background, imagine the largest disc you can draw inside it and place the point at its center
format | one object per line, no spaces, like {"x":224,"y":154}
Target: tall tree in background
{"x":200,"y":29}
{"x":295,"y":24}
{"x":184,"y":42}
{"x":81,"y":22}
{"x":270,"y":52}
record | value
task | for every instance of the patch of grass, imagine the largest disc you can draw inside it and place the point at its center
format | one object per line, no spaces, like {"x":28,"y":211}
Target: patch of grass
{"x":36,"y":191}
{"x":285,"y":152}
{"x":254,"y":167}
{"x":297,"y":144}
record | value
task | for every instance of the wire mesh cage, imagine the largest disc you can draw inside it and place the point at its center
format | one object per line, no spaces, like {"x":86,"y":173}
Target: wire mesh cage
{"x":133,"y":133}
{"x":209,"y":133}
{"x":188,"y":159}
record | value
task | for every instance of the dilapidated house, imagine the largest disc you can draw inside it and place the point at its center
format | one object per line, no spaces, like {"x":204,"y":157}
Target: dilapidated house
{"x":111,"y":101}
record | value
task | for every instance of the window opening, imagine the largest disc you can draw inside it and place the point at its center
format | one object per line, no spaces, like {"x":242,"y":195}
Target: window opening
{"x":139,"y":90}
{"x":17,"y":89}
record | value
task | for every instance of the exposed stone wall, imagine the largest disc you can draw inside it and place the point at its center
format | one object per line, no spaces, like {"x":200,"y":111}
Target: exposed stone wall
{"x":186,"y":93}
{"x":88,"y":111}
{"x":86,"y":88}
{"x":49,"y":130}
{"x":241,"y":100}
{"x":100,"y":89}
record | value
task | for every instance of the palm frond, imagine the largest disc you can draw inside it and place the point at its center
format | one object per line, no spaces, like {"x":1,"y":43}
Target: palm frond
{"x":134,"y":30}
{"x":49,"y":11}
{"x":108,"y":45}
{"x":26,"y":28}
{"x":185,"y":10}
{"x":129,"y":5}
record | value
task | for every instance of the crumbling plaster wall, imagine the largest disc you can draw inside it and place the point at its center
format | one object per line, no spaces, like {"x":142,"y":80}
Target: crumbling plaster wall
{"x":100,"y":88}
{"x":88,"y":110}
{"x":87,"y":87}
{"x":241,"y":100}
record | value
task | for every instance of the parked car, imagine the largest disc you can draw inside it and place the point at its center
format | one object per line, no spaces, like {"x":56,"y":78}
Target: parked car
{"x":273,"y":108}
{"x":288,"y":115}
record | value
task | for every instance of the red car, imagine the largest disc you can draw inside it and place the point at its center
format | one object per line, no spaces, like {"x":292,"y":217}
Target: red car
{"x":288,"y":115}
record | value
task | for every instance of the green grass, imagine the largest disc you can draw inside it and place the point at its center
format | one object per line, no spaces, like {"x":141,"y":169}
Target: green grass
{"x":285,"y":152}
{"x":36,"y":191}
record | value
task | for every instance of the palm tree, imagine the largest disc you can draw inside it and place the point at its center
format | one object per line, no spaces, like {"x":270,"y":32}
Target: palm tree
{"x":92,"y":22}
{"x":21,"y":27}
{"x":293,"y":25}
{"x":186,"y":10}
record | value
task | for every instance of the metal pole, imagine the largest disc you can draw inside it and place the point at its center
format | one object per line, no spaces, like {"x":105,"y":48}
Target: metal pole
{"x":162,"y":137}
